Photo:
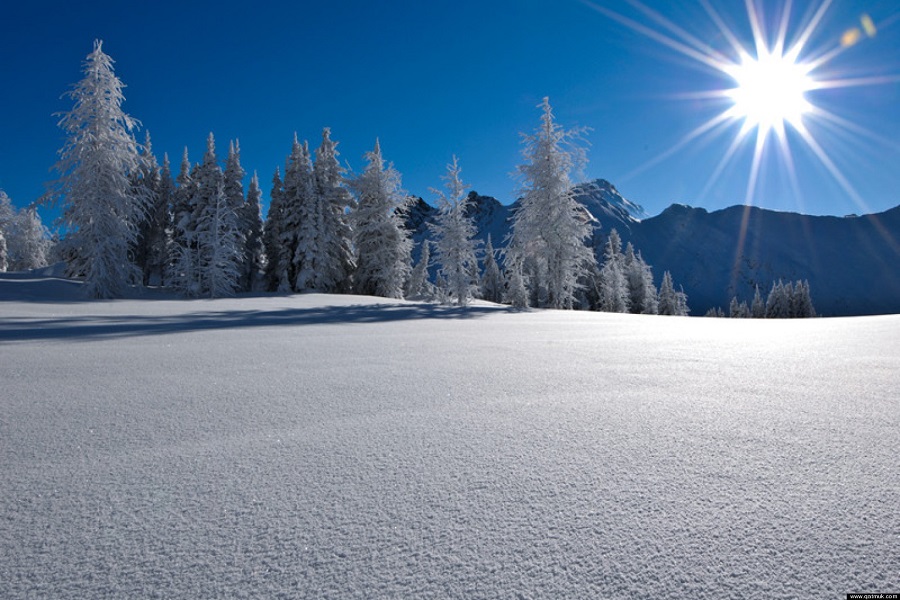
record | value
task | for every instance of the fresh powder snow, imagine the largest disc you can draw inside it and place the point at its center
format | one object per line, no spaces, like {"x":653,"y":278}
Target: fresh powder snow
{"x":321,"y":446}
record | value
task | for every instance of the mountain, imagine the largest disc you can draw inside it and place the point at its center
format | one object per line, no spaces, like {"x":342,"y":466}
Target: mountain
{"x":852,"y":263}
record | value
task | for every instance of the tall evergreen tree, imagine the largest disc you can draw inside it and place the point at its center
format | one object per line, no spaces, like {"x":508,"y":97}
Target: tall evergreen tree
{"x":221,"y":245}
{"x":219,"y":240}
{"x":251,"y":219}
{"x":100,"y":209}
{"x":383,"y":247}
{"x":28,"y":242}
{"x":758,"y":307}
{"x":276,"y":256}
{"x":778,"y":303}
{"x":304,"y":220}
{"x":642,"y":297}
{"x":454,"y":235}
{"x":419,"y":287}
{"x":334,"y":252}
{"x":161,"y":238}
{"x":549,"y":228}
{"x":672,"y":301}
{"x":4,"y":264}
{"x":492,"y":288}
{"x":184,"y":259}
{"x":614,"y":296}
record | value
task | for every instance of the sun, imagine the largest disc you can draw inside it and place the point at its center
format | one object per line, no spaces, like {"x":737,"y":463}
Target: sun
{"x":771,"y":91}
{"x":768,"y":81}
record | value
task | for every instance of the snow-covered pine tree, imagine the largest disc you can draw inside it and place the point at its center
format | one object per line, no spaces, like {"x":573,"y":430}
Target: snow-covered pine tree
{"x":758,"y":307}
{"x":549,"y":228}
{"x":7,"y":212}
{"x":738,"y":309}
{"x":304,"y":218}
{"x":184,"y":260}
{"x":100,"y":210}
{"x":454,"y":235}
{"x":221,"y":245}
{"x":801,"y":301}
{"x":161,"y":238}
{"x":234,"y":192}
{"x":614,"y":293}
{"x":334,"y":249}
{"x":639,"y":276}
{"x":276,"y":256}
{"x":251,"y":219}
{"x":419,"y":287}
{"x":668,"y":301}
{"x":383,"y":246}
{"x":516,"y":293}
{"x":299,"y":225}
{"x":3,"y":262}
{"x":28,"y":242}
{"x":681,"y":303}
{"x":219,"y":240}
{"x":778,"y":303}
{"x":492,"y":288}
{"x":150,"y":246}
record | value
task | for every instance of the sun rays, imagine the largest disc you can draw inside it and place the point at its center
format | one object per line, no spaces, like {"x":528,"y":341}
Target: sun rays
{"x":769,"y":87}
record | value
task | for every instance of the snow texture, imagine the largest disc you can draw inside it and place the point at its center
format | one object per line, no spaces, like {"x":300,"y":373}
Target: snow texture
{"x":315,"y":446}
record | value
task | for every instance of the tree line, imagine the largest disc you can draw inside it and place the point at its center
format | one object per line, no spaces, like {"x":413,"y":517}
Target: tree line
{"x":129,"y":220}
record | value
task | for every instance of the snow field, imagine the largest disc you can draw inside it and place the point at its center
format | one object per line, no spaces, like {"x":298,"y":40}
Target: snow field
{"x":316,"y":446}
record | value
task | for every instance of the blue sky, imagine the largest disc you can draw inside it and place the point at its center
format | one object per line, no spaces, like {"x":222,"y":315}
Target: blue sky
{"x":436,"y":78}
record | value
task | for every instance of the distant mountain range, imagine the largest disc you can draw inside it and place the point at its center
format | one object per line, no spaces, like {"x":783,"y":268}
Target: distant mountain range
{"x":852,"y":263}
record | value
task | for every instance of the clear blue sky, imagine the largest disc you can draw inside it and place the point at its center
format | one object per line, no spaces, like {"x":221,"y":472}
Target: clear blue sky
{"x":438,"y":77}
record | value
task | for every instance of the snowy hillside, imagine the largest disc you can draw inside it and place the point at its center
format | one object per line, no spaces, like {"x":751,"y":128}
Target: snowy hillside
{"x":850,"y":262}
{"x":314,"y":446}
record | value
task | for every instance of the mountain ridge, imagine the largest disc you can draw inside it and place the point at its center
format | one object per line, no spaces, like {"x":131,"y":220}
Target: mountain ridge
{"x":851,"y":262}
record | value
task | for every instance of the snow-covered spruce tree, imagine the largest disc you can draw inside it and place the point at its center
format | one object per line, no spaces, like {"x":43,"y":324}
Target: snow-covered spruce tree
{"x":614,"y":296}
{"x":454,"y":241}
{"x":304,"y":219}
{"x":668,"y":302}
{"x":252,"y":227}
{"x":778,"y":303}
{"x":639,"y":276}
{"x":219,"y":240}
{"x":492,"y":288}
{"x":419,"y":287}
{"x":549,"y":229}
{"x":150,"y":246}
{"x":738,"y":309}
{"x":184,"y":260}
{"x":383,"y":246}
{"x":3,"y":262}
{"x":161,"y":240}
{"x":801,"y":301}
{"x":516,"y":293}
{"x":334,"y":250}
{"x":221,"y":245}
{"x":28,"y":242}
{"x":7,"y":212}
{"x":100,"y":210}
{"x":758,"y":307}
{"x":276,"y":256}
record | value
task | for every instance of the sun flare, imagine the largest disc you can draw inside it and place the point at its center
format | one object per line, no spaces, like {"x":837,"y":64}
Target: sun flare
{"x":771,"y":91}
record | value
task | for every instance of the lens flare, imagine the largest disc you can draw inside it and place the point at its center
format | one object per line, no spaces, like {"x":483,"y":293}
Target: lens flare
{"x":770,"y":83}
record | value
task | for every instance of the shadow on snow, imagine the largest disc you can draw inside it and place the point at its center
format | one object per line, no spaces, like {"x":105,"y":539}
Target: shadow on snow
{"x":100,"y":327}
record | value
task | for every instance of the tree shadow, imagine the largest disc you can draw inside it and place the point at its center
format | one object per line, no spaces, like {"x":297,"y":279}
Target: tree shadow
{"x":91,"y":327}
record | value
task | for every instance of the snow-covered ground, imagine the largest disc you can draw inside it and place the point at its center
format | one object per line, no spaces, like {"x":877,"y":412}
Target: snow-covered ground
{"x":319,"y":446}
